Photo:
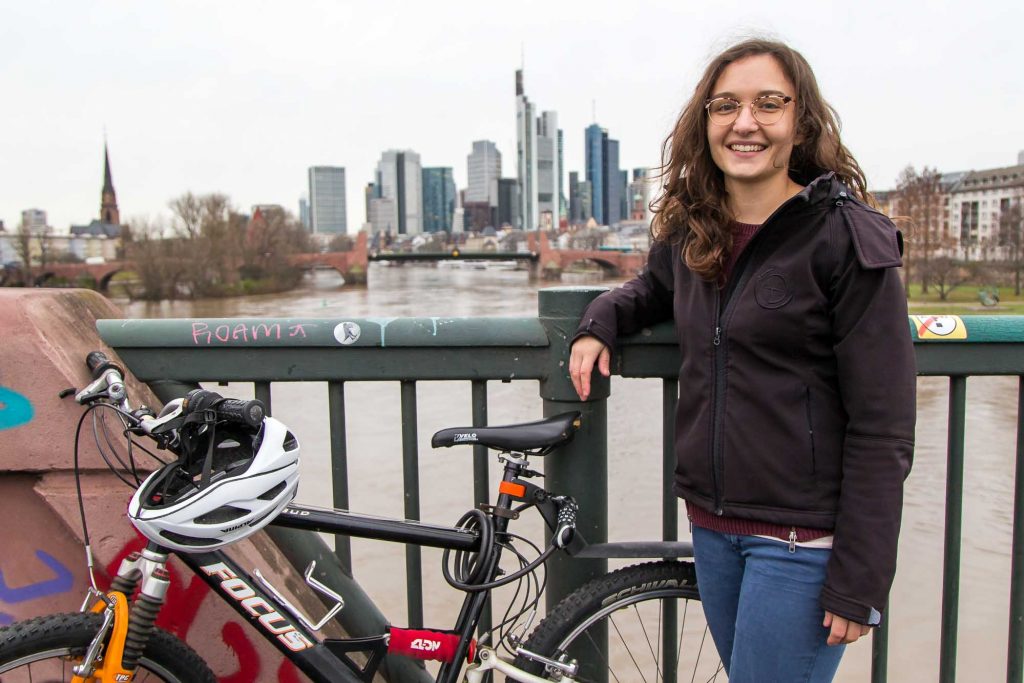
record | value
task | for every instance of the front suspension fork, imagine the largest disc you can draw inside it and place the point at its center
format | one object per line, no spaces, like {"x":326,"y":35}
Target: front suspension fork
{"x":125,"y":630}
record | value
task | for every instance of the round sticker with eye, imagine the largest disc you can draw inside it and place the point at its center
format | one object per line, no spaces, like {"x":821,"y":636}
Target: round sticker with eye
{"x":347,"y":332}
{"x":940,"y":327}
{"x":771,"y":290}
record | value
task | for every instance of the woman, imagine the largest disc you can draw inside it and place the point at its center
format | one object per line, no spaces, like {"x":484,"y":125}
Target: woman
{"x":795,"y":424}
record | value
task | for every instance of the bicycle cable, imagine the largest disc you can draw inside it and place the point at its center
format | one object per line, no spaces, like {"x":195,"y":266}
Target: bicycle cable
{"x":470,"y":566}
{"x":479,"y":561}
{"x":90,"y":563}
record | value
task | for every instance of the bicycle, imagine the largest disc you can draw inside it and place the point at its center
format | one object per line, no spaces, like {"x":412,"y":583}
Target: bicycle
{"x":231,"y":445}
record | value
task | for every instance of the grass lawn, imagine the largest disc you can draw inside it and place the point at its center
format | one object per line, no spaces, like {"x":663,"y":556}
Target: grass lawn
{"x":964,"y":301}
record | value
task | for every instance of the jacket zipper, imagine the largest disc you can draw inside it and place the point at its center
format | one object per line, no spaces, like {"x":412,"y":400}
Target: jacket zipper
{"x":736,"y":284}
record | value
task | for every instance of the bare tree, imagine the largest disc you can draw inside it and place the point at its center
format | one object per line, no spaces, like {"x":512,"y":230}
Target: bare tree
{"x":211,"y":236}
{"x":1011,"y":239}
{"x":948,"y":273}
{"x":157,"y":268}
{"x":23,"y":247}
{"x":42,"y":236}
{"x":271,"y":236}
{"x":919,"y":201}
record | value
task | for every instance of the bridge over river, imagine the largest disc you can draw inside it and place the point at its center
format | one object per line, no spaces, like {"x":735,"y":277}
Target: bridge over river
{"x":543,"y":259}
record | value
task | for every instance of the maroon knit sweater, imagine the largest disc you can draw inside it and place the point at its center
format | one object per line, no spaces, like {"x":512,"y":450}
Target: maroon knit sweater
{"x":741,"y":236}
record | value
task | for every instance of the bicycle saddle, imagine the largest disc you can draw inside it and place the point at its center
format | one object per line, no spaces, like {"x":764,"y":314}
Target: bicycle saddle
{"x":528,"y":436}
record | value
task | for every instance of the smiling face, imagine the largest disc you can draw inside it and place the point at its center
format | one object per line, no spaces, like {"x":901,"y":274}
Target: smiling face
{"x":748,"y":153}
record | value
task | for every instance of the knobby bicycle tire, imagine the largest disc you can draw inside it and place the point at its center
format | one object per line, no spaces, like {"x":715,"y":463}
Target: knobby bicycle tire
{"x":626,"y":610}
{"x":45,"y":648}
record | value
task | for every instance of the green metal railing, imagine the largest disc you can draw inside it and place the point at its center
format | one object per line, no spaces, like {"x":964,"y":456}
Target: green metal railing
{"x":479,"y":350}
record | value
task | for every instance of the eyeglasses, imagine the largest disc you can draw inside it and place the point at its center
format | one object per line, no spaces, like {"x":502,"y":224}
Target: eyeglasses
{"x":767,"y":109}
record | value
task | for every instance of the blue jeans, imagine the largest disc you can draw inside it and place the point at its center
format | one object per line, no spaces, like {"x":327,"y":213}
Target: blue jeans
{"x":761,"y":603}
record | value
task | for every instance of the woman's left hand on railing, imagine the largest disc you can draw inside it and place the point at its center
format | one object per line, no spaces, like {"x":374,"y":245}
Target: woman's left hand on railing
{"x":586,"y":351}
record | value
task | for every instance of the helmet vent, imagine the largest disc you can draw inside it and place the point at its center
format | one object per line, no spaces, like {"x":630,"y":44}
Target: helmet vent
{"x":274,"y":492}
{"x":224,"y":513}
{"x":183,"y":540}
{"x":290,"y":442}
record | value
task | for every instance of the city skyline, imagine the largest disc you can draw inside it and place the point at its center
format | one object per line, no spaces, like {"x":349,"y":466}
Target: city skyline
{"x":203,"y":106}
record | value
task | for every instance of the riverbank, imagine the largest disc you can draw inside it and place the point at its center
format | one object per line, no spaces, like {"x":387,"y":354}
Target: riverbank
{"x":966,"y":300}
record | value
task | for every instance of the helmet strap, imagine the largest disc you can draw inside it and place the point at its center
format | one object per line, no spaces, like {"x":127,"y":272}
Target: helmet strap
{"x":204,"y":481}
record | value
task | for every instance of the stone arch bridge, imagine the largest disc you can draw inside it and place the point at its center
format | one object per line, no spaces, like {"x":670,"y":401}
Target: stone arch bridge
{"x":353,"y":265}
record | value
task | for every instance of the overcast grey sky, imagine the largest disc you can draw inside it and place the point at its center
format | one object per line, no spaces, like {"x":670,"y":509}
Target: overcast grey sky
{"x":242,"y":97}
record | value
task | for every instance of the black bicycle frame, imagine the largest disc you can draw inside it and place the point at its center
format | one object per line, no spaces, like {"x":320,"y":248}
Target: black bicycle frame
{"x":329,"y":661}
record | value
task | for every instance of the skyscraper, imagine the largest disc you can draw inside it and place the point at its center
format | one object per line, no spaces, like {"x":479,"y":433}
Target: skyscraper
{"x":484,"y":166}
{"x":438,"y":199}
{"x":639,"y":190}
{"x":400,"y":178}
{"x":526,"y":158}
{"x":594,"y":149}
{"x":549,"y":171}
{"x":508,"y":202}
{"x":304,"y":212}
{"x":538,"y":162}
{"x":327,"y":207}
{"x":608,"y":182}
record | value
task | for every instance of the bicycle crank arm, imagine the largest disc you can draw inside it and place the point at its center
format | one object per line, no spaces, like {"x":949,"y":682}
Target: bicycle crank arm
{"x":490,"y":661}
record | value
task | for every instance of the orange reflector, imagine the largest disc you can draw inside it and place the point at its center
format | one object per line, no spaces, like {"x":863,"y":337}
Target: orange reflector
{"x":514,"y":490}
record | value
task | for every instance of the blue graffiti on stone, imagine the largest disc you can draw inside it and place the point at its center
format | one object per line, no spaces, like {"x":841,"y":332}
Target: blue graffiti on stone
{"x":62,"y":582}
{"x":15,"y":409}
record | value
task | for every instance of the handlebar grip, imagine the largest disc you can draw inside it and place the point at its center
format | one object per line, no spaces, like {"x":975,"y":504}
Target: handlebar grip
{"x":95,"y":359}
{"x":235,"y":410}
{"x":98,"y":363}
{"x":249,"y":413}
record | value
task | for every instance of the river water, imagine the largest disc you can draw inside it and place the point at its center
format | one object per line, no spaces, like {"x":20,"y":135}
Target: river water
{"x":375,"y":471}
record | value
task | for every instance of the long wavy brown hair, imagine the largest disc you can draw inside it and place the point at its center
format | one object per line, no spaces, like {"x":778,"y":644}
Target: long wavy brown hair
{"x":692,"y":209}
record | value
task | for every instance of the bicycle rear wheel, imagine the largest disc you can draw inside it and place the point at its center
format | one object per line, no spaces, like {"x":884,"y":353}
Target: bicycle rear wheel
{"x":46,"y":648}
{"x":640,"y":623}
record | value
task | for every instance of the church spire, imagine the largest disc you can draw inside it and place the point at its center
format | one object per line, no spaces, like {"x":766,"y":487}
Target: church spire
{"x":108,"y":198}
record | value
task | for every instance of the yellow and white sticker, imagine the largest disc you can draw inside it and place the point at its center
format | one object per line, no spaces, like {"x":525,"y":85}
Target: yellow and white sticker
{"x":939,"y":327}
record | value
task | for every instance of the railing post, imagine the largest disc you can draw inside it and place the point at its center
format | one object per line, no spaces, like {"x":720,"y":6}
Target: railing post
{"x":954,"y":523}
{"x":1015,"y":646}
{"x":580,"y":469}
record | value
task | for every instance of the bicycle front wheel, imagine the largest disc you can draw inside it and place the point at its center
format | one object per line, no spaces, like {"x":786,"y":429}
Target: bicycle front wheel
{"x":641,"y":623}
{"x":46,"y":648}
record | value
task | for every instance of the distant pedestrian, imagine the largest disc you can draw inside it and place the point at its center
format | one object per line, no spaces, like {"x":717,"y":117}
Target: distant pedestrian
{"x":795,"y":426}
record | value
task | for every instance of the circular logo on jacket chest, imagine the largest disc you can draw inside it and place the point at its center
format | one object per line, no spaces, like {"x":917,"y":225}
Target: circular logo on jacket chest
{"x":771,"y":290}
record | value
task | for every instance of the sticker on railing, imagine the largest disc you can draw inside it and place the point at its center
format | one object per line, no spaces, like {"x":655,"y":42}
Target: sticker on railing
{"x":939,"y":327}
{"x":347,"y":333}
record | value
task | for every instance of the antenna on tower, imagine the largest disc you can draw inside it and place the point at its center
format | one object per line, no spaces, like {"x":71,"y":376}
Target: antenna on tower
{"x":593,"y":110}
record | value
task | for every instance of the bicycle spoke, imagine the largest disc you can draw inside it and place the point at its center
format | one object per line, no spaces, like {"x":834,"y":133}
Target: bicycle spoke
{"x":598,"y":650}
{"x":714,"y":676}
{"x":650,"y":648}
{"x":629,"y":650}
{"x":682,"y":630}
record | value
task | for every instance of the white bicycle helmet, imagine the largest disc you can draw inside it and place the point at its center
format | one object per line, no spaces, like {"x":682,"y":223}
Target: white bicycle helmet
{"x":227,"y":492}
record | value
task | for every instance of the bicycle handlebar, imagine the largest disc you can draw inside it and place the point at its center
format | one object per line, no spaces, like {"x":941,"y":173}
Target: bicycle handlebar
{"x":108,"y":382}
{"x":238,"y":411}
{"x":98,"y":363}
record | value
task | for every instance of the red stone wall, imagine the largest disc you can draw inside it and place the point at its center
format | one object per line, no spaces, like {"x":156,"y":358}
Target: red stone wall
{"x":45,"y":336}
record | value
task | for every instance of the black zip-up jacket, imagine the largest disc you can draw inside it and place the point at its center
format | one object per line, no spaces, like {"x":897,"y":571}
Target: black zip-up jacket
{"x":797,"y":383}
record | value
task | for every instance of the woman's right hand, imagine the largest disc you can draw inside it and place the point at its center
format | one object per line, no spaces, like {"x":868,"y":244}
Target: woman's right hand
{"x":586,"y":351}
